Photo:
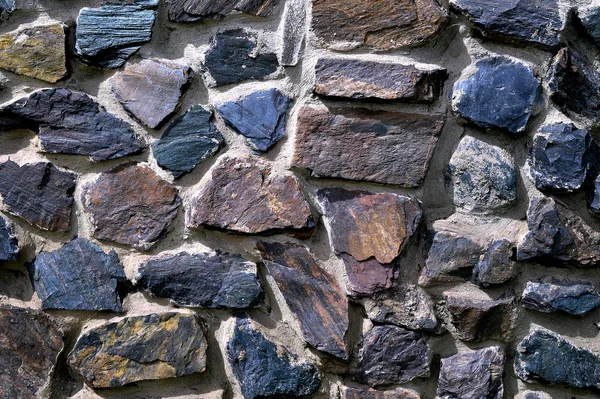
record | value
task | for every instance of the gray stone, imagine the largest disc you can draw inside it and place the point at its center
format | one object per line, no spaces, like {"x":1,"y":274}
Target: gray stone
{"x":9,"y":246}
{"x":199,"y":10}
{"x":589,"y":17}
{"x":292,"y":31}
{"x":594,"y":197}
{"x":496,"y":265}
{"x":576,"y":298}
{"x":6,"y":9}
{"x":357,"y":393}
{"x":533,"y":395}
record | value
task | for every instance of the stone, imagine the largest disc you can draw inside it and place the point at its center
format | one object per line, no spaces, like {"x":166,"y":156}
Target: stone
{"x":79,"y":276}
{"x":495,"y":265}
{"x":534,"y":22}
{"x":7,"y":7}
{"x":243,"y":196}
{"x":312,"y":294}
{"x":37,"y":51}
{"x":356,"y":79}
{"x":533,"y":395}
{"x":140,"y":348}
{"x":499,"y":93}
{"x":39,"y":193}
{"x":130,"y":205}
{"x":472,"y":374}
{"x":199,"y":10}
{"x":484,"y":180}
{"x":9,"y":245}
{"x":189,"y":140}
{"x":232,"y":58}
{"x":575,"y":298}
{"x":589,"y":19}
{"x":398,"y":393}
{"x":260,"y":117}
{"x":292,"y":31}
{"x":374,"y":146}
{"x":71,"y":122}
{"x":264,"y":369}
{"x":29,"y":351}
{"x":392,"y":355}
{"x":151,"y":90}
{"x":207,"y":280}
{"x":594,"y":197}
{"x":346,"y":25}
{"x":367,"y":277}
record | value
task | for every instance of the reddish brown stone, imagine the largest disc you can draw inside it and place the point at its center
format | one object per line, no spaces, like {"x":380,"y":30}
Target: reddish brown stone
{"x":398,"y":393}
{"x":367,"y":277}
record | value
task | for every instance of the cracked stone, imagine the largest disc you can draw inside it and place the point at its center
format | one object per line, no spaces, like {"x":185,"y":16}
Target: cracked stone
{"x":199,"y":10}
{"x":576,"y":298}
{"x":9,"y":246}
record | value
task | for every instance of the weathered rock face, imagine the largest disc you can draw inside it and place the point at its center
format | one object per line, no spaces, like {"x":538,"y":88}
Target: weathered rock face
{"x":570,"y":297}
{"x":368,"y":276}
{"x":264,"y":370}
{"x":29,"y":351}
{"x":398,"y":393}
{"x":139,"y":348}
{"x":198,"y":10}
{"x":78,"y":276}
{"x":39,"y":192}
{"x":312,"y":294}
{"x":374,"y":80}
{"x":130,"y":205}
{"x":381,"y":147}
{"x":9,"y":246}
{"x":496,"y":265}
{"x":206,"y":280}
{"x":244,"y":197}
{"x":594,"y":197}
{"x":589,"y":19}
{"x":500,"y":94}
{"x":533,"y":395}
{"x":292,"y":30}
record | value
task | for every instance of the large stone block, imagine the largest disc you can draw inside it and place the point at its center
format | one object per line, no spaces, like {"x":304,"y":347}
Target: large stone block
{"x":576,"y":298}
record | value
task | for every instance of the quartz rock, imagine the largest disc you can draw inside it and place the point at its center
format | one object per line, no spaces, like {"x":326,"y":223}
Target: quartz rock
{"x":9,"y":246}
{"x":552,"y":296}
{"x":292,"y":31}
{"x":398,"y":393}
{"x":198,"y":10}
{"x":495,"y":265}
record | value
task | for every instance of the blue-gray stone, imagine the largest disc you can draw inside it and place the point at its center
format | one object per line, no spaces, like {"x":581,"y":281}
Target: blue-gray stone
{"x":590,"y":19}
{"x":594,"y":197}
{"x":9,"y":246}
{"x":259,"y":117}
{"x":573,"y":298}
{"x":500,"y":94}
{"x":496,"y":265}
{"x":198,"y":10}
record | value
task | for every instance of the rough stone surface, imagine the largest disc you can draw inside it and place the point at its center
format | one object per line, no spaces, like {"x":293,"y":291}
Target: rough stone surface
{"x":292,"y":31}
{"x":501,"y":93}
{"x":9,"y":246}
{"x":198,"y":10}
{"x":533,"y":395}
{"x":496,"y":265}
{"x":130,"y":205}
{"x":398,"y":393}
{"x":576,"y":298}
{"x":6,"y":9}
{"x":381,"y":147}
{"x":589,"y":19}
{"x":368,"y":276}
{"x":594,"y":197}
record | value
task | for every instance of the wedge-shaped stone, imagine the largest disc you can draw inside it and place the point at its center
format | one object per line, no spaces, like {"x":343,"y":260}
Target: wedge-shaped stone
{"x":398,"y":393}
{"x":576,"y":298}
{"x":9,"y":246}
{"x":199,"y":10}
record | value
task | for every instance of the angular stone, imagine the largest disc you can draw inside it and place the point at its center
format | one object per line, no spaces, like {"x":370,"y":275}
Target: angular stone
{"x":264,"y":370}
{"x":533,"y":395}
{"x":472,"y":375}
{"x":29,"y":351}
{"x":40,"y":193}
{"x":589,"y":19}
{"x":346,"y":25}
{"x":594,"y":197}
{"x":358,"y":79}
{"x":552,"y":296}
{"x":152,"y":89}
{"x":199,"y":10}
{"x":368,"y":276}
{"x":260,"y":117}
{"x":207,"y":280}
{"x":357,"y":144}
{"x":79,"y":276}
{"x":398,"y":393}
{"x":499,"y":93}
{"x":9,"y":246}
{"x":243,"y":196}
{"x":312,"y":294}
{"x":130,"y":205}
{"x":496,"y":265}
{"x":292,"y":31}
{"x":140,"y":348}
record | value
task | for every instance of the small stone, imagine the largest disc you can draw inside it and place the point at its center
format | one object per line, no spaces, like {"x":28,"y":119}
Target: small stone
{"x":206,"y":280}
{"x":130,"y":205}
{"x":312,"y":294}
{"x":589,"y":19}
{"x":264,"y":370}
{"x":533,"y":395}
{"x":367,"y":277}
{"x":472,"y":375}
{"x":594,"y":197}
{"x":9,"y":246}
{"x":260,"y":117}
{"x":357,"y":144}
{"x":79,"y":276}
{"x":501,"y":93}
{"x":140,"y":348}
{"x":199,"y":10}
{"x":358,"y":79}
{"x":496,"y":265}
{"x":40,"y":193}
{"x":398,"y":393}
{"x":152,"y":89}
{"x":572,"y":298}
{"x":292,"y":31}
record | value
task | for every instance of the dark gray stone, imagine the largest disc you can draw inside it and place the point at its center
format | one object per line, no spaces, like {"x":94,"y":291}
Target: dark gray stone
{"x":358,"y":393}
{"x":594,"y":197}
{"x":533,"y":395}
{"x":199,"y":10}
{"x":576,"y":298}
{"x":9,"y":246}
{"x":6,"y":9}
{"x":590,"y":19}
{"x":496,"y":265}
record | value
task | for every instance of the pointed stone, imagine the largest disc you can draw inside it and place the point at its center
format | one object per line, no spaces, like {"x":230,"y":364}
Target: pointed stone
{"x":398,"y":393}
{"x":292,"y":29}
{"x":9,"y":246}
{"x":367,"y":277}
{"x":576,"y":298}
{"x":199,"y":10}
{"x":496,"y":265}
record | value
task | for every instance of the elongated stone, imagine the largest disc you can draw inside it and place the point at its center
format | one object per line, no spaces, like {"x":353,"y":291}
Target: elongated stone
{"x":594,"y":197}
{"x":292,"y":31}
{"x":9,"y":246}
{"x":576,"y":298}
{"x":496,"y":265}
{"x":367,"y":277}
{"x":398,"y":393}
{"x":199,"y":10}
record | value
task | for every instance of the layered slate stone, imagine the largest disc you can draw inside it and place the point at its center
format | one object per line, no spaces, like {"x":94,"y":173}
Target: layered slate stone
{"x":207,"y":280}
{"x":130,"y":205}
{"x":244,"y":196}
{"x":292,"y":31}
{"x":368,"y":277}
{"x":199,"y":10}
{"x":39,"y":193}
{"x":9,"y":245}
{"x":357,"y":393}
{"x":260,"y":117}
{"x":311,"y":293}
{"x":346,"y":25}
{"x":496,"y":265}
{"x":79,"y":276}
{"x":358,"y":79}
{"x":152,"y":89}
{"x":140,"y":348}
{"x":500,"y":93}
{"x":576,"y":298}
{"x":29,"y":350}
{"x":264,"y":369}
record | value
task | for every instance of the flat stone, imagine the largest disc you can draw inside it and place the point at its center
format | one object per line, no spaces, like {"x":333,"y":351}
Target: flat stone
{"x":398,"y":393}
{"x":499,"y":93}
{"x":79,"y":276}
{"x":140,"y":348}
{"x":199,"y":10}
{"x":39,"y":193}
{"x":151,"y":90}
{"x":292,"y":29}
{"x":576,"y":298}
{"x":356,"y":79}
{"x":346,"y":25}
{"x":496,"y":265}
{"x":260,"y":117}
{"x":589,"y":19}
{"x":472,"y":375}
{"x":9,"y":246}
{"x":263,"y":369}
{"x":130,"y":205}
{"x":594,"y":197}
{"x":207,"y":280}
{"x":357,"y":144}
{"x":243,"y":196}
{"x":29,"y":351}
{"x":312,"y":294}
{"x":367,"y":277}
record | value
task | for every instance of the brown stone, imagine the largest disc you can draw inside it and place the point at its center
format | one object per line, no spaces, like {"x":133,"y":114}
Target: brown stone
{"x":368,"y":276}
{"x":398,"y":393}
{"x":357,"y":144}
